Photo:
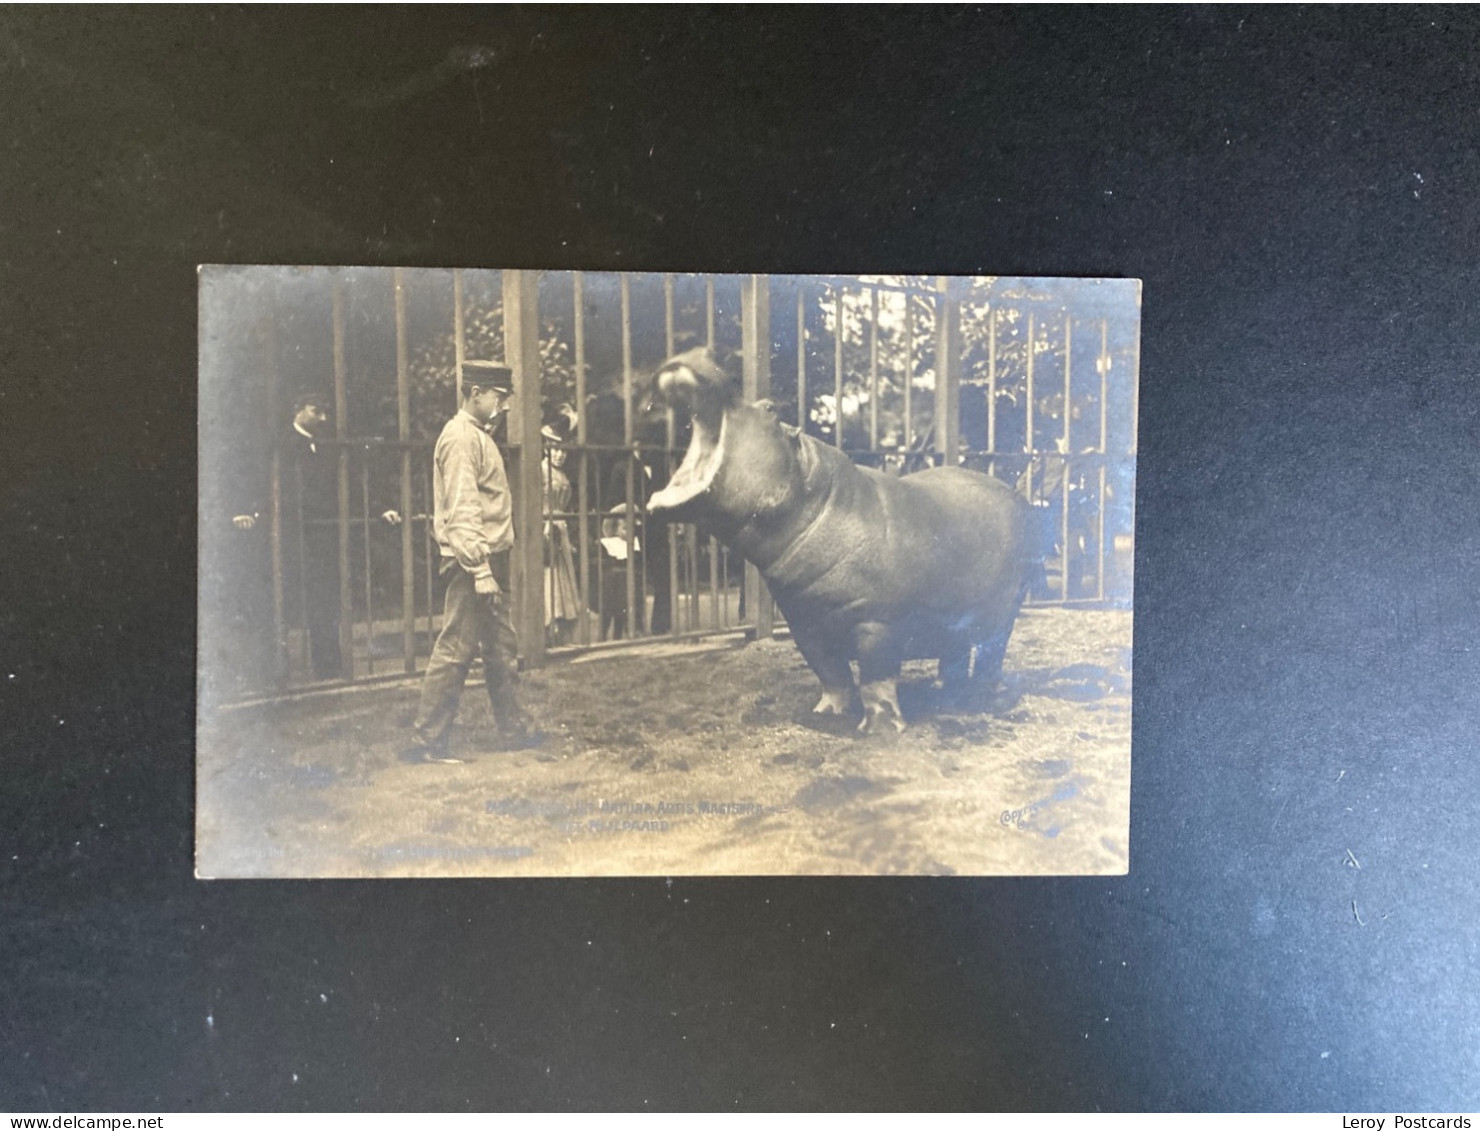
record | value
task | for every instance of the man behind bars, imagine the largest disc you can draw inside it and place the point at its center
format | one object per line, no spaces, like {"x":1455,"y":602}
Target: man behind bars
{"x":310,"y":530}
{"x":473,"y":522}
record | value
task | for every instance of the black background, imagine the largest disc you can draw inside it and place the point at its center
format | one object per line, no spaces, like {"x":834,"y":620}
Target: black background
{"x":1297,"y":188}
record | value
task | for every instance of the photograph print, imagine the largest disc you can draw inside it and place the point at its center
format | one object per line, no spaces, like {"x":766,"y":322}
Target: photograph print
{"x":554,"y":573}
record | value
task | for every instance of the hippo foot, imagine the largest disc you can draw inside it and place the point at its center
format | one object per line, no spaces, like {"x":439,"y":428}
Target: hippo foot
{"x":881,"y":722}
{"x":880,"y":707}
{"x":834,"y":701}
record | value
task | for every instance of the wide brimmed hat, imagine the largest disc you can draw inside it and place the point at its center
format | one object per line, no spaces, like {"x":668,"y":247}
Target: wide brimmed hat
{"x":559,"y":423}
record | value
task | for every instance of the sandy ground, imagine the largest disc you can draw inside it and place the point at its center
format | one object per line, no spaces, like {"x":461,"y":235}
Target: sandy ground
{"x":690,"y":759}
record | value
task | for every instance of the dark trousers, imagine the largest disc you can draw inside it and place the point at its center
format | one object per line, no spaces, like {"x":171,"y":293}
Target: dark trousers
{"x":471,"y":623}
{"x":614,"y":601}
{"x":321,"y":600}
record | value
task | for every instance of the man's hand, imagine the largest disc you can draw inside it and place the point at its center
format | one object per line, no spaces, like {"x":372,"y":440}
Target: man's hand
{"x":486,"y":586}
{"x":392,"y":516}
{"x":244,"y":521}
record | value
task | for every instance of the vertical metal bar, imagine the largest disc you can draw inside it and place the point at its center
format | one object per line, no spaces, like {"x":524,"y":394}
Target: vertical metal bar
{"x":724,"y":558}
{"x":755,"y":331}
{"x":636,"y":618}
{"x":626,"y":310}
{"x":1104,"y":367}
{"x":709,"y":311}
{"x":672,"y":529}
{"x":458,"y":344}
{"x":1068,"y":447}
{"x":599,"y":515}
{"x":403,"y":436}
{"x":714,"y":548}
{"x":365,"y":519}
{"x":909,"y":373}
{"x":1028,"y":445}
{"x":275,"y":502}
{"x":1068,"y":379}
{"x":802,"y":413}
{"x":522,"y":353}
{"x":991,"y":389}
{"x":873,"y":370}
{"x":341,"y":410}
{"x":599,"y":605}
{"x":1064,"y":535}
{"x":583,"y":498}
{"x":668,"y":313}
{"x":428,"y":558}
{"x":691,"y":572}
{"x":948,"y":372}
{"x":838,"y":366}
{"x":714,"y":579}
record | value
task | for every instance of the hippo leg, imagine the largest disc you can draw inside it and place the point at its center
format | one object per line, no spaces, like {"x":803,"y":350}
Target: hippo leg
{"x":831,"y":669}
{"x":955,"y":666}
{"x":987,"y":672}
{"x":978,"y":692}
{"x":971,"y":671}
{"x":955,"y":670}
{"x":880,"y":705}
{"x":878,"y":677}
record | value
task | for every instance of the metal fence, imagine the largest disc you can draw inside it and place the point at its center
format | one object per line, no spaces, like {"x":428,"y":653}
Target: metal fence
{"x":1035,"y":386}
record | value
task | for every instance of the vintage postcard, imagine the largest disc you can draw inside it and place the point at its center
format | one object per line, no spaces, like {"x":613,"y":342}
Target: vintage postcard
{"x":551,"y":573}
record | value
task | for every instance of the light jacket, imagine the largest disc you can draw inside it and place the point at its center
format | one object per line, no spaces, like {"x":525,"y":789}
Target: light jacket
{"x":474,"y":508}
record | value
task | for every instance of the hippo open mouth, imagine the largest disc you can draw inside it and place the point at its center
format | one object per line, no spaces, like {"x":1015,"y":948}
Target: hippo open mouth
{"x":681,"y":387}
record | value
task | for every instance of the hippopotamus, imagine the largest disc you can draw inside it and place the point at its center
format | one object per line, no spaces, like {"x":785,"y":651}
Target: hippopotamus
{"x":864,"y":566}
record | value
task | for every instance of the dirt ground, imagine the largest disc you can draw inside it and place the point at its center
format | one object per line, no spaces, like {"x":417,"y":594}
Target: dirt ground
{"x":692,"y":759}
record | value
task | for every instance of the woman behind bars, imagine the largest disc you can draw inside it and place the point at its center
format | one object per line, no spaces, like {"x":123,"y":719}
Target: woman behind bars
{"x":562,"y":600}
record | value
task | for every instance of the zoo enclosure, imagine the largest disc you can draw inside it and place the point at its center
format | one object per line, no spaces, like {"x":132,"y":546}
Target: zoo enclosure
{"x":1011,"y":377}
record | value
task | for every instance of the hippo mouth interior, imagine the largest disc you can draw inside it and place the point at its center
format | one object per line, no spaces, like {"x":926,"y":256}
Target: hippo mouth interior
{"x":680,"y":388}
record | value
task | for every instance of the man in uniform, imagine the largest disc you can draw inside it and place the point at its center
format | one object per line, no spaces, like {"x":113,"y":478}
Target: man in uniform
{"x":473,"y":523}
